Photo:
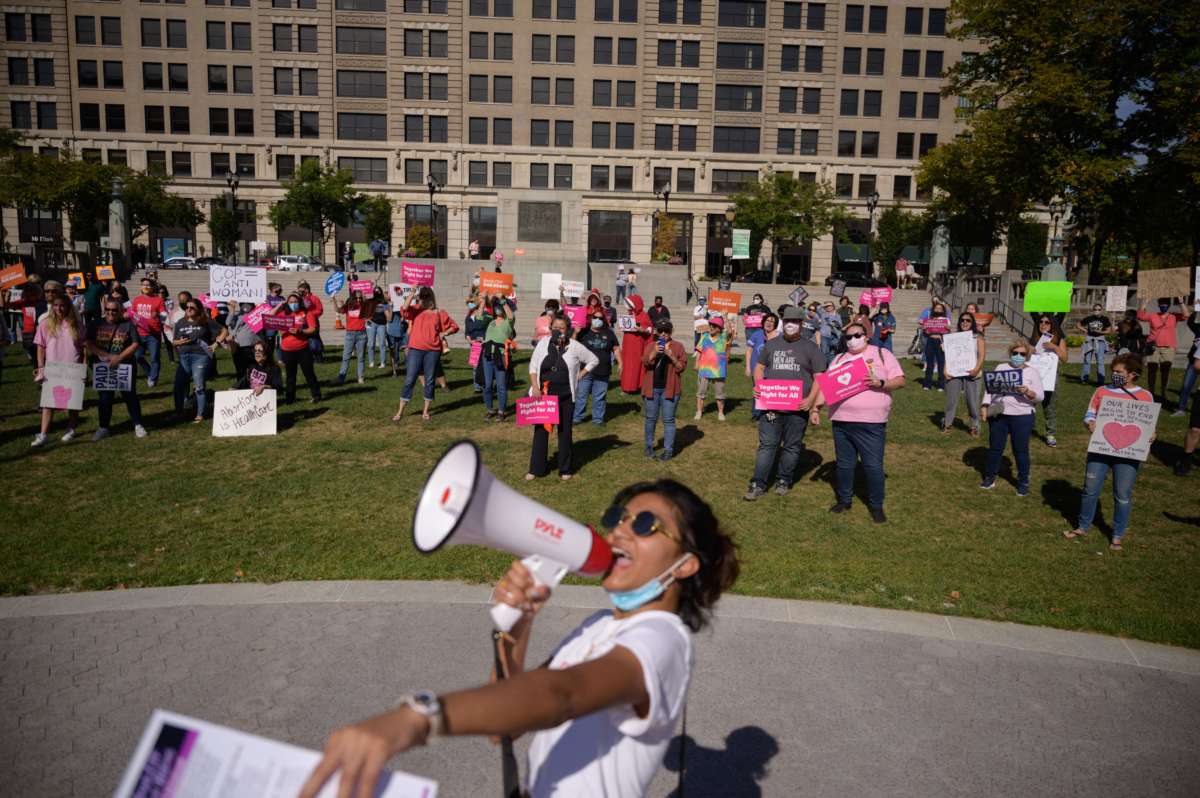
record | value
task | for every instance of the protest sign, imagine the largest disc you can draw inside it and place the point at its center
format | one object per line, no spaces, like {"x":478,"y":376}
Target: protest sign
{"x":76,"y":279}
{"x":882,"y":294}
{"x":417,"y":273}
{"x":334,"y":283}
{"x":63,"y":386}
{"x":1046,"y":364}
{"x":241,"y":413}
{"x":867,"y":298}
{"x":476,"y":351}
{"x":936,"y":326}
{"x":178,"y":755}
{"x":724,"y":301}
{"x":365,"y":287}
{"x":1002,"y":382}
{"x":396,"y":294}
{"x":753,"y":321}
{"x":12,"y":275}
{"x":1116,"y":299}
{"x":272,"y":322}
{"x":1155,"y":283}
{"x":626,"y":323}
{"x":797,"y":295}
{"x":779,"y":394}
{"x":112,"y":378}
{"x":577,"y":315}
{"x":105,"y":273}
{"x":1123,"y":428}
{"x":740,"y":238}
{"x":550,"y":283}
{"x":572,"y":288}
{"x":496,"y":283}
{"x":844,"y":381}
{"x":537,"y":410}
{"x":838,"y":288}
{"x":959,"y":349}
{"x":1048,"y":296}
{"x":254,"y":319}
{"x":237,"y":283}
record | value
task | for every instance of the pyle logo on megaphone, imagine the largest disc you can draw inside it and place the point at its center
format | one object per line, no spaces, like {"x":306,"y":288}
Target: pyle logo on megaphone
{"x":463,"y":503}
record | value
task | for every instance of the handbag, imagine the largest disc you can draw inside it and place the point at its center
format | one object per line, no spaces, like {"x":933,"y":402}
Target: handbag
{"x":995,"y":410}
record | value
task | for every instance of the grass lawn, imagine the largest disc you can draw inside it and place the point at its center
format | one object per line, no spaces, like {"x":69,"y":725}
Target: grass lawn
{"x":331,"y":497}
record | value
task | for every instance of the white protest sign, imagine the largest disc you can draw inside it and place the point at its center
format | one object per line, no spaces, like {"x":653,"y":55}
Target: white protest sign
{"x":959,"y":349}
{"x":1046,"y":364}
{"x":63,"y":388}
{"x":237,"y":284}
{"x":550,"y":283}
{"x":396,"y":292}
{"x":1117,"y":298}
{"x":1123,"y":428}
{"x":240,"y":413}
{"x":626,"y":323}
{"x":572,"y":288}
{"x":109,"y":378}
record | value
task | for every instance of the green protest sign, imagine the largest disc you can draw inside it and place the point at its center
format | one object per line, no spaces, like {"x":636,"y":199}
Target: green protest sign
{"x":1048,"y":297}
{"x":741,"y":243}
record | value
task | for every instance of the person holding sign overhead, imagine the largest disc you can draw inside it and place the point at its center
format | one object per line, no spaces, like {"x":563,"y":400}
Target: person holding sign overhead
{"x":556,"y":366}
{"x":1161,"y":341}
{"x":294,"y":347}
{"x":59,"y":339}
{"x":1012,"y":417}
{"x":860,"y":420}
{"x":428,"y":329}
{"x":1049,"y":350}
{"x":113,"y":342}
{"x":1125,"y":372}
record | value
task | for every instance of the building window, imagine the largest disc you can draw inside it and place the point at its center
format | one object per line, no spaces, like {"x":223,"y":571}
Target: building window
{"x":666,"y":52}
{"x":601,"y":135}
{"x":851,"y":60}
{"x":414,"y":171}
{"x":502,"y":91}
{"x":814,"y":58}
{"x":477,"y":46}
{"x":622,"y":178}
{"x":285,"y":124}
{"x":539,"y":133}
{"x":792,"y":15}
{"x":502,"y":174}
{"x":177,"y":76}
{"x":933,"y":63}
{"x":154,"y":119}
{"x":908,"y":105}
{"x":539,"y":91}
{"x":21,"y":112}
{"x":735,"y":139}
{"x":366,"y":41}
{"x":689,"y":96}
{"x":926,"y":143}
{"x":874,"y":61}
{"x":872,"y":103}
{"x":85,"y":29}
{"x":877,"y":19}
{"x":477,"y":127}
{"x":564,"y":133}
{"x":869,"y":148}
{"x":664,"y":95}
{"x":563,"y":174}
{"x":737,"y":55}
{"x":240,"y":35}
{"x":214,"y":35}
{"x":599,"y":181}
{"x":609,"y":235}
{"x":624,"y":135}
{"x":816,"y":16}
{"x":626,"y":93}
{"x":477,"y":172}
{"x":86,"y":73}
{"x":285,"y":167}
{"x":910,"y":64}
{"x":787,"y":100}
{"x":930,"y":104}
{"x":564,"y":49}
{"x":564,"y":91}
{"x":811,"y":102}
{"x":904,"y":145}
{"x":176,"y":33}
{"x":310,"y":124}
{"x":180,"y":120}
{"x":502,"y":131}
{"x":542,"y":9}
{"x":156,"y":162}
{"x":114,"y":118}
{"x":737,"y":98}
{"x":414,"y":128}
{"x":902,"y":187}
{"x":439,"y":86}
{"x":866,"y":186}
{"x":365,"y":170}
{"x":89,"y":115}
{"x":181,"y":164}
{"x":539,"y":175}
{"x":540,"y":49}
{"x":785,"y":141}
{"x":687,"y":138}
{"x":284,"y":84}
{"x":627,"y":52}
{"x":854,"y":19}
{"x":662,"y":178}
{"x":439,"y":129}
{"x":243,"y":122}
{"x":358,"y":83}
{"x":477,"y":88}
{"x":742,"y":13}
{"x":219,"y":164}
{"x":913,"y":18}
{"x":414,"y":43}
{"x":808,"y":141}
{"x":362,"y":127}
{"x":689,"y":57}
{"x":414,"y":84}
{"x":243,"y":81}
{"x":502,"y":47}
{"x":849,"y":103}
{"x":370,"y":5}
{"x":847,"y":141}
{"x":844,"y":185}
{"x":601,"y":93}
{"x":664,"y":137}
{"x":151,"y":33}
{"x":937,"y":22}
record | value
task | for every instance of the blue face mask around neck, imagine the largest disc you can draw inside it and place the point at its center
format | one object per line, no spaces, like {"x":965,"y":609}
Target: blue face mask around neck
{"x":630,"y":600}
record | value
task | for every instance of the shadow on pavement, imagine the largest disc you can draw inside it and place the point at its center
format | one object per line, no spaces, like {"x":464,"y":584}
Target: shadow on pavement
{"x":732,"y":772}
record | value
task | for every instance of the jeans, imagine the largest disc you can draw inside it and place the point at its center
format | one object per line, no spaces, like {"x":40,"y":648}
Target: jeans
{"x":1094,"y":349}
{"x":494,"y":375}
{"x":854,"y":441}
{"x":316,"y":346}
{"x":149,"y":346}
{"x":1050,"y":406}
{"x":131,"y":403}
{"x":620,"y":294}
{"x":969,"y":387}
{"x":192,"y":368}
{"x":376,"y":341}
{"x":597,"y":389}
{"x":170,"y":349}
{"x":539,"y":464}
{"x":827,"y":344}
{"x":884,"y":343}
{"x":934,"y":357}
{"x":355,"y":344}
{"x":416,"y":363}
{"x":304,"y":359}
{"x":1124,"y":473}
{"x":1019,"y":428}
{"x":782,"y":433}
{"x":1189,"y":382}
{"x":396,"y":346}
{"x":661,"y":405}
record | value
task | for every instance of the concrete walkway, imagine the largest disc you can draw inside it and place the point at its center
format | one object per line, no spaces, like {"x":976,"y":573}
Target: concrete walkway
{"x":788,"y":698}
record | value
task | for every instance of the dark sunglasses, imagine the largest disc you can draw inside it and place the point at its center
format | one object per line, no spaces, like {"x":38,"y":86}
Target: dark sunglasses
{"x":852,"y":336}
{"x":644,"y":524}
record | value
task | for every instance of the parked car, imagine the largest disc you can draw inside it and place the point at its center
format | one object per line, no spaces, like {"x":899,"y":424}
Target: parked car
{"x":856,"y":280}
{"x":205,"y":262}
{"x":297,"y":263}
{"x":764,"y":276}
{"x":180,"y":263}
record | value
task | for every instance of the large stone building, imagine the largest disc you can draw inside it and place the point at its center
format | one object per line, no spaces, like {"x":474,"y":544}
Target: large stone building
{"x":551,"y":125}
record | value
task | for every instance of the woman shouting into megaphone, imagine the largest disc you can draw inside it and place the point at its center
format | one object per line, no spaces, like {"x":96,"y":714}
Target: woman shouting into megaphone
{"x":604,"y":707}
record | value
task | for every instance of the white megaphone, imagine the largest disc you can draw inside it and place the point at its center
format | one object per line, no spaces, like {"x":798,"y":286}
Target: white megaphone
{"x":462,"y":502}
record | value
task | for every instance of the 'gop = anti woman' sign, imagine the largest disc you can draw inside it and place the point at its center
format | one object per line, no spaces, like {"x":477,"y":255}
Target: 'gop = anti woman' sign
{"x":237,"y":284}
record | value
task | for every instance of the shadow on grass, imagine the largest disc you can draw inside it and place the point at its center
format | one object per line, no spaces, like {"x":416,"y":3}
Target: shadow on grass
{"x":586,"y":450}
{"x":686,"y":436}
{"x":1166,"y":452}
{"x":334,"y":390}
{"x":827,"y":472}
{"x":1193,"y":520}
{"x":976,"y":458}
{"x":1064,"y":497}
{"x":285,"y":421}
{"x":734,"y":771}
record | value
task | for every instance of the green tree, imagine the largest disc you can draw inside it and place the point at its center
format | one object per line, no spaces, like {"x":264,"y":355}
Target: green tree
{"x":376,"y":213}
{"x":150,"y":204}
{"x":666,"y":233}
{"x":895,"y":230}
{"x":1026,"y":244}
{"x":319,"y":198}
{"x":223,"y":226}
{"x":784,"y":210}
{"x":419,"y":240}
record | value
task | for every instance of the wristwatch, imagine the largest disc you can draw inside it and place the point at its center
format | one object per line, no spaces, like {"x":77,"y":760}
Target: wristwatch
{"x":423,"y":702}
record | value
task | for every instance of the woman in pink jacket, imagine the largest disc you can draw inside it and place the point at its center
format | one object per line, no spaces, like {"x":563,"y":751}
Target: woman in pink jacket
{"x":1017,"y":410}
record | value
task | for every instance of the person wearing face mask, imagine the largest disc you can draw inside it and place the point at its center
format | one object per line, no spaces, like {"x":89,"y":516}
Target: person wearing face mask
{"x":294,"y":349}
{"x":658,"y":311}
{"x":262,"y":373}
{"x":312,"y":302}
{"x":603,"y":709}
{"x":147,"y":313}
{"x":712,"y":365}
{"x":59,"y":338}
{"x":194,"y":339}
{"x":1160,"y":341}
{"x":357,"y":311}
{"x":556,"y":366}
{"x":781,"y":433}
{"x":845,"y":311}
{"x":1130,"y":336}
{"x":753,"y":315}
{"x":114,"y":341}
{"x":663,"y":363}
{"x":495,"y":356}
{"x":860,"y":421}
{"x":883,"y":326}
{"x":599,"y":339}
{"x":965,"y":384}
{"x":811,"y":326}
{"x":621,"y":284}
{"x":1014,"y":419}
{"x":1049,"y":351}
{"x":1125,"y":372}
{"x":428,"y":329}
{"x":541,"y":325}
{"x":935,"y":358}
{"x":244,"y":338}
{"x":831,"y":330}
{"x":1192,"y":438}
{"x":377,"y":329}
{"x":1095,"y":345}
{"x":610,"y":313}
{"x":633,"y":345}
{"x":1189,"y":373}
{"x":475,"y":327}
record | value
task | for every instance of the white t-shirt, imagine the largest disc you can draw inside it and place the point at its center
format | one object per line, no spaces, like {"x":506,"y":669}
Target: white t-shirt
{"x":613,"y":753}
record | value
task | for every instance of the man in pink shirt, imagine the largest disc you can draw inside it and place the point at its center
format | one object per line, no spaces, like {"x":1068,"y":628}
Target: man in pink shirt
{"x":1162,"y":337}
{"x":147,"y":311}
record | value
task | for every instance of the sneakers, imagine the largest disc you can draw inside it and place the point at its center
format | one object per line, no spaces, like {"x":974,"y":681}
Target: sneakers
{"x":1022,"y":490}
{"x":140,"y":431}
{"x":101,"y":434}
{"x":988,"y":483}
{"x":839,"y":508}
{"x":1183,"y":465}
{"x":68,"y":435}
{"x":665,"y":456}
{"x":650,"y":454}
{"x":697,"y":417}
{"x":720,"y":416}
{"x":1051,"y":440}
{"x":361,"y":380}
{"x":1180,"y":412}
{"x":782,"y":488}
{"x":38,"y":440}
{"x":753,"y":494}
{"x":151,"y":383}
{"x":877,"y":516}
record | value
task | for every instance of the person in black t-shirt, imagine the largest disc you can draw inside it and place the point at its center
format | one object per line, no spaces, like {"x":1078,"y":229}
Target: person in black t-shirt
{"x":1095,"y":345}
{"x":263,"y":373}
{"x":599,"y":339}
{"x":114,"y":341}
{"x":658,"y":311}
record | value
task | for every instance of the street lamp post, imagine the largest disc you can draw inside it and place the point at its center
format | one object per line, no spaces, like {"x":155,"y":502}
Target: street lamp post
{"x":1057,"y":208}
{"x":730,"y":215}
{"x":232,"y":181}
{"x":432,"y":185}
{"x":872,"y":204}
{"x":665,"y":193}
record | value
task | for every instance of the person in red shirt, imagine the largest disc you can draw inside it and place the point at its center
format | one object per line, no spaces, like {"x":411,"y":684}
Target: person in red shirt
{"x":294,"y":346}
{"x":358,"y":312}
{"x":1161,"y":341}
{"x":633,"y":346}
{"x":313,"y":302}
{"x":147,"y":312}
{"x":428,"y":329}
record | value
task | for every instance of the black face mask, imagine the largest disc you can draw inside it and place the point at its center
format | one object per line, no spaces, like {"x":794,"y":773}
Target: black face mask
{"x":556,"y":337}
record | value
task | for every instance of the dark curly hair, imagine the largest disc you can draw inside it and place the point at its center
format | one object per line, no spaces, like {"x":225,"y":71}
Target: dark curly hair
{"x":703,"y":537}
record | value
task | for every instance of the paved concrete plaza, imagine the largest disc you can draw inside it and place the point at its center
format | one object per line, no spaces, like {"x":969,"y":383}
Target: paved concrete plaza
{"x":788,"y":698}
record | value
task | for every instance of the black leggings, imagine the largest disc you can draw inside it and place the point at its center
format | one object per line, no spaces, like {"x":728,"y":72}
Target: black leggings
{"x":539,"y":464}
{"x":304,"y":359}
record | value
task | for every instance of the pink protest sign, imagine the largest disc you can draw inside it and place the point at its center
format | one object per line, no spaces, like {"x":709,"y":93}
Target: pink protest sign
{"x":779,"y":394}
{"x":417,"y":273}
{"x":753,"y":321}
{"x":366,"y":287}
{"x":866,"y":298}
{"x":476,"y":350}
{"x":577,"y":314}
{"x":255,"y":317}
{"x":207,"y":301}
{"x":537,"y":410}
{"x":279,"y":323}
{"x":882,"y":294}
{"x":844,"y":381}
{"x":936,"y":326}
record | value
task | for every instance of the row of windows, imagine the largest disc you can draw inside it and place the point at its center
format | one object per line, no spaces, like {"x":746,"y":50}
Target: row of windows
{"x":19,"y":27}
{"x":20,"y":74}
{"x":22,"y":114}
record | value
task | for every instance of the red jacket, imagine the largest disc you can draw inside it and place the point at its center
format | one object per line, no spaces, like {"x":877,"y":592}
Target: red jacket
{"x":425,"y":328}
{"x":674,"y":385}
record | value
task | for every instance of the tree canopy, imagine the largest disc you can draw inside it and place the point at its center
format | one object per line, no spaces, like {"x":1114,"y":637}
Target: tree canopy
{"x":376,"y":214}
{"x":319,"y":198}
{"x":783,"y":210}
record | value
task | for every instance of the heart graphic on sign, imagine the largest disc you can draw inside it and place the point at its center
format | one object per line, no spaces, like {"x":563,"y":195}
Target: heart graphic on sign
{"x":62,"y":397}
{"x":844,"y":379}
{"x":1121,"y":435}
